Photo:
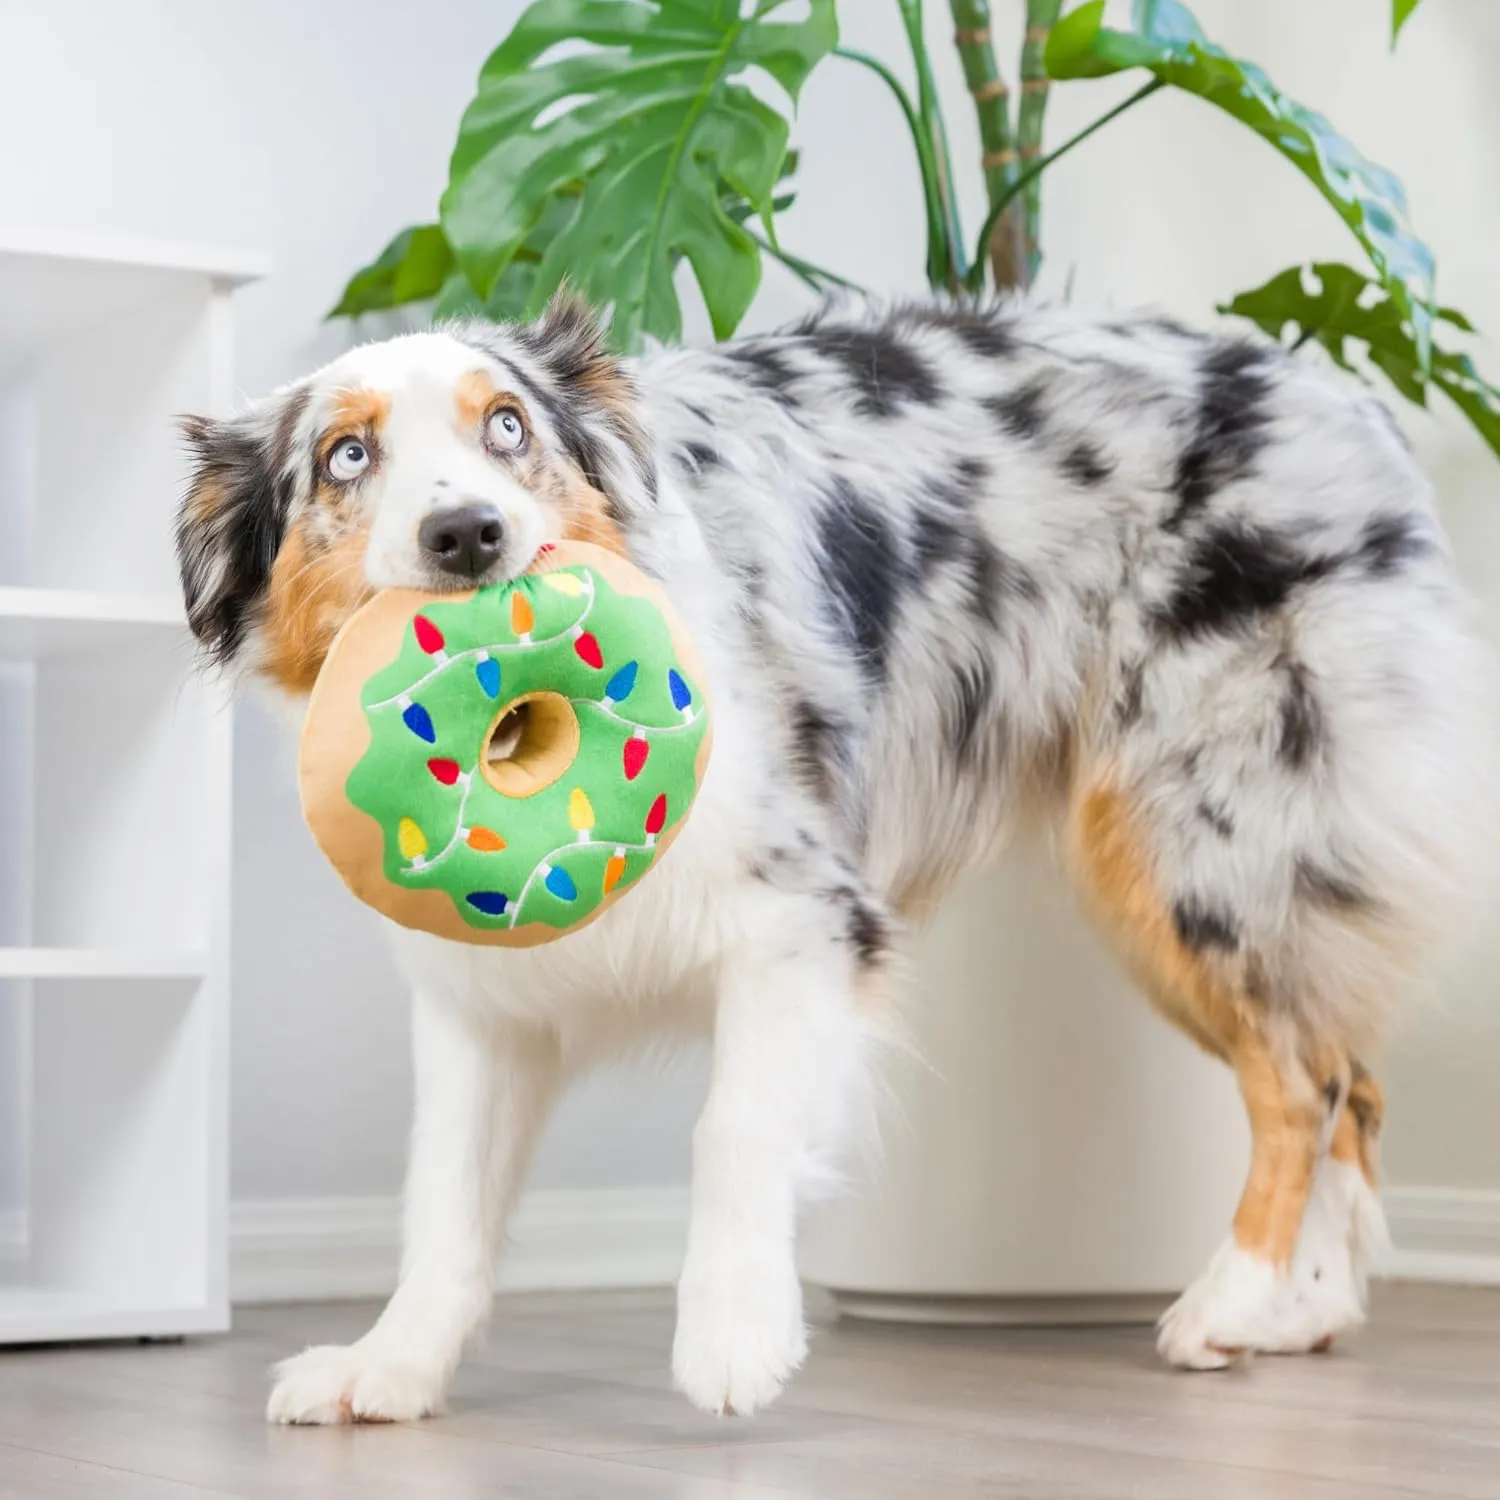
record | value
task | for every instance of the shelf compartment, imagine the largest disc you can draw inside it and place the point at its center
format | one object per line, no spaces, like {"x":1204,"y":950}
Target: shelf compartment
{"x":39,"y":623}
{"x":54,"y":287}
{"x":122,"y":1230}
{"x":124,"y":844}
{"x":102,"y":346}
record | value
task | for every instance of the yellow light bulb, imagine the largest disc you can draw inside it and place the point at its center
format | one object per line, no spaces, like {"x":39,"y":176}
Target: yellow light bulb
{"x":580,"y":810}
{"x":410,"y":839}
{"x":565,"y":583}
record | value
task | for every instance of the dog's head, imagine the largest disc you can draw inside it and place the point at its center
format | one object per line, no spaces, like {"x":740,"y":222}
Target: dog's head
{"x":438,"y":461}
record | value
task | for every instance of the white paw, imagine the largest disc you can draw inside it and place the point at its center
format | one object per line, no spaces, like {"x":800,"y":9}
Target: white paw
{"x":1343,"y":1232}
{"x":1240,"y":1305}
{"x":1217,"y":1319}
{"x":332,"y":1383}
{"x":740,"y":1333}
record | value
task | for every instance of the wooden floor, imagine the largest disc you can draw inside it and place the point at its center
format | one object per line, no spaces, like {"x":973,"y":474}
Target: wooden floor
{"x":571,"y":1399}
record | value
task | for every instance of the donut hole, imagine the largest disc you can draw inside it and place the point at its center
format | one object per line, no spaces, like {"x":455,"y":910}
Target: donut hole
{"x":530,"y":743}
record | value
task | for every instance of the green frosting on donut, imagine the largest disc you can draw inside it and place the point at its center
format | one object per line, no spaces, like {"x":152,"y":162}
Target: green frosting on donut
{"x":430,"y":712}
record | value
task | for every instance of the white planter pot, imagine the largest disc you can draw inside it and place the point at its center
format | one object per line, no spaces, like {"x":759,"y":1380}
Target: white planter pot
{"x":1053,"y":1151}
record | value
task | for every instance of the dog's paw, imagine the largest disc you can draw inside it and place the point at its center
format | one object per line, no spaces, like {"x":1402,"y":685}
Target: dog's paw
{"x":1223,"y":1316}
{"x":1242,"y":1306}
{"x":1343,"y":1232}
{"x":740,"y":1333}
{"x":332,"y":1384}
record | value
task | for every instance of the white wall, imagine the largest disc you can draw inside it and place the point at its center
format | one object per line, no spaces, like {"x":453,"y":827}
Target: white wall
{"x":313,"y":130}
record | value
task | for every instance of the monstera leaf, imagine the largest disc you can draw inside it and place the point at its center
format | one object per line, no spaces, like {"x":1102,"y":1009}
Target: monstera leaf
{"x":1400,"y":14}
{"x":418,"y":266}
{"x":1333,"y":305}
{"x":649,"y":111}
{"x":412,"y":268}
{"x":1166,"y":39}
{"x":511,"y":294}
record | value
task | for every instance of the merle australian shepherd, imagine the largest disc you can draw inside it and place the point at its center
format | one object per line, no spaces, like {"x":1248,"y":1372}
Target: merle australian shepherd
{"x":946,"y":566}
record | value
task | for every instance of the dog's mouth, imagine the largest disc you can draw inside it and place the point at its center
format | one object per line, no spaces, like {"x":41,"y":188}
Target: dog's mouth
{"x":433,"y":581}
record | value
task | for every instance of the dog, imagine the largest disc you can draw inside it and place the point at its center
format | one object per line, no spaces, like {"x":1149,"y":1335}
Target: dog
{"x":949,"y":566}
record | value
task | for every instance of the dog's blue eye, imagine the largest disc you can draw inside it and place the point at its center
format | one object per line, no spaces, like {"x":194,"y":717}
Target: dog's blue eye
{"x":504,"y":431}
{"x":348,"y":460}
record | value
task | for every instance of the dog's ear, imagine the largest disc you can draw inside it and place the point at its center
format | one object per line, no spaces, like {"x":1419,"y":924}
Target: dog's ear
{"x":233,"y":518}
{"x":573,"y":343}
{"x":592,"y":404}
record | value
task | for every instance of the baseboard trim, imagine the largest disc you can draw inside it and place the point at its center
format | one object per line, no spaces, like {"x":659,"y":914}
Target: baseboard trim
{"x":302,"y":1249}
{"x":1444,"y":1234}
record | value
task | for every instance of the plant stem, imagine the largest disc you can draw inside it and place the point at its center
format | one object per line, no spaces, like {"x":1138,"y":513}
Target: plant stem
{"x":939,"y":258}
{"x":1000,"y":162}
{"x":1041,"y":16}
{"x":953,"y":270}
{"x":811,"y":275}
{"x":975,"y":282}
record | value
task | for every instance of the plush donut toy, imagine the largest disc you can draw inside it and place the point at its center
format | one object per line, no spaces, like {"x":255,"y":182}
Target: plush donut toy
{"x":500,"y":766}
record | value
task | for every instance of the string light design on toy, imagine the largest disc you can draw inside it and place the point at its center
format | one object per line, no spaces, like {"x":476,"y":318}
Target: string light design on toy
{"x":461,"y":834}
{"x":432,"y":641}
{"x":486,"y":663}
{"x":487,"y":669}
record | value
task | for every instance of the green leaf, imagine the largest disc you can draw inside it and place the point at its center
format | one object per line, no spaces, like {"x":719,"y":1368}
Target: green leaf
{"x":940,"y":249}
{"x":1334,"y":305}
{"x":506,"y":302}
{"x":418,"y":266}
{"x":408,"y":269}
{"x":1165,"y":21}
{"x":1166,"y":39}
{"x":653,"y":117}
{"x":411,"y":268}
{"x":1400,"y":14}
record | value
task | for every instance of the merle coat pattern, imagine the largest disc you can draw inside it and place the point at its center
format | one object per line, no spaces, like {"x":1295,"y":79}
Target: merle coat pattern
{"x":1181,"y":596}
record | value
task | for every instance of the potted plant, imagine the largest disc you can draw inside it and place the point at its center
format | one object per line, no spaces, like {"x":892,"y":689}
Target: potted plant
{"x":609,"y":141}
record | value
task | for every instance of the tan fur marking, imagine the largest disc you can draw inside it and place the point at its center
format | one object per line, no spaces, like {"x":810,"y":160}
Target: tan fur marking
{"x":1286,"y":1120}
{"x":331,"y":496}
{"x":474,"y":395}
{"x":206,"y":501}
{"x":314,"y":588}
{"x":1111,"y":863}
{"x":581,"y":511}
{"x":1344,"y":1146}
{"x":357,"y":411}
{"x":594,"y":524}
{"x":1357,"y":1135}
{"x":604,"y":383}
{"x":1211,"y":998}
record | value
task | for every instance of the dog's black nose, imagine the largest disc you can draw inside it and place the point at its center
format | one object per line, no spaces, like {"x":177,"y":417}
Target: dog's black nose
{"x":463,"y":540}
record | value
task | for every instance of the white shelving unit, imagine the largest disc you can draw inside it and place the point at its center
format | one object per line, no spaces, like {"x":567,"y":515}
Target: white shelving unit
{"x":114,"y":799}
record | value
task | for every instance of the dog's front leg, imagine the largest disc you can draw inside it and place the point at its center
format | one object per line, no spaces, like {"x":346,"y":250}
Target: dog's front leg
{"x":788,"y":1068}
{"x":482,"y":1091}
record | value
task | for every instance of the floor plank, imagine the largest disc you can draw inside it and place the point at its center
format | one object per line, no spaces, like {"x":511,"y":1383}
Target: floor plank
{"x":570,"y":1397}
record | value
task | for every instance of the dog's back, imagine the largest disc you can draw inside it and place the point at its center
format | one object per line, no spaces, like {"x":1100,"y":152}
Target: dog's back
{"x":980,"y":557}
